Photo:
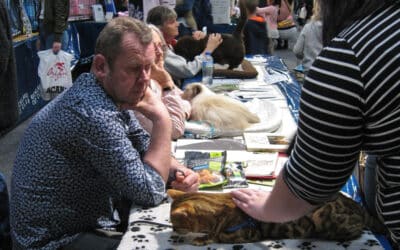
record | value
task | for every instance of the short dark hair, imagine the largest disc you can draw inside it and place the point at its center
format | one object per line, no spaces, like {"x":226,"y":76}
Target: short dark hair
{"x":338,"y":14}
{"x":109,"y":41}
{"x":251,"y":5}
{"x":159,"y":15}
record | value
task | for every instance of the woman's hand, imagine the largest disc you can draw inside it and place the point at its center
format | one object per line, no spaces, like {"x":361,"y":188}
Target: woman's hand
{"x":159,"y":74}
{"x":251,"y":201}
{"x":214,"y":40}
{"x":152,"y":107}
{"x":197,"y":35}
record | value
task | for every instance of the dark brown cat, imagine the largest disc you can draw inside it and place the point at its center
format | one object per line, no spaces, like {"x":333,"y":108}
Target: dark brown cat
{"x":221,"y":221}
{"x":231,"y":51}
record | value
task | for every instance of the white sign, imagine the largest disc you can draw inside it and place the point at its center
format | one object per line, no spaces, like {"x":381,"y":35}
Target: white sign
{"x":221,"y":11}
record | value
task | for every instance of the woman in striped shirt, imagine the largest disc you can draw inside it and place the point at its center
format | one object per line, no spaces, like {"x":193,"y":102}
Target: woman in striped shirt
{"x":350,"y":102}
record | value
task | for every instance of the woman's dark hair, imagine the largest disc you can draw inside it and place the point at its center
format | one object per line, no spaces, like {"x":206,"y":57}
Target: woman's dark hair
{"x":338,"y":14}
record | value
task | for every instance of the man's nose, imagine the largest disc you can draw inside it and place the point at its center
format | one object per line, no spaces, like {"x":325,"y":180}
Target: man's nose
{"x":145,"y":74}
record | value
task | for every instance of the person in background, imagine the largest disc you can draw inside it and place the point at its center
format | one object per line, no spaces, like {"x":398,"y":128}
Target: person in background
{"x":302,"y":15}
{"x":234,"y":11}
{"x":140,"y":8}
{"x":349,"y":102}
{"x":8,"y":74}
{"x":86,"y":149}
{"x":286,"y":26}
{"x":184,"y":8}
{"x":53,"y":24}
{"x":121,"y":5}
{"x":164,"y":87}
{"x":149,"y":4}
{"x":255,"y":30}
{"x":270,"y":14}
{"x":309,"y":42}
{"x":165,"y":19}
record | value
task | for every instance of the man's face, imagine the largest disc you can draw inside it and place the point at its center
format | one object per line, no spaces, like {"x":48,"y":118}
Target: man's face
{"x":127,"y":81}
{"x":170,"y":28}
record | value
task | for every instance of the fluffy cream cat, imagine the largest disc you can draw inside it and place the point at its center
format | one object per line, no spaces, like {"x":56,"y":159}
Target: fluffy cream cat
{"x":220,"y":111}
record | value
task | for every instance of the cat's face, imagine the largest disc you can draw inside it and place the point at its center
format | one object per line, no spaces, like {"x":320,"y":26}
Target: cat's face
{"x":199,"y":212}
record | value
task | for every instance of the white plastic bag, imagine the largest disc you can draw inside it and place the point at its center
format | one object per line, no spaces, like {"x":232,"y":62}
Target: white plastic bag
{"x":55,"y":72}
{"x":303,"y":13}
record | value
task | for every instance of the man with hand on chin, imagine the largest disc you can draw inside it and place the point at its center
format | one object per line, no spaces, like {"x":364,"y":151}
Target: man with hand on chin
{"x":86,"y":149}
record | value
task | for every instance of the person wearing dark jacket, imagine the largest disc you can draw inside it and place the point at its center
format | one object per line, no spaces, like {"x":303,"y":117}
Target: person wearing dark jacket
{"x":255,"y":30}
{"x":8,"y":76}
{"x":53,"y":24}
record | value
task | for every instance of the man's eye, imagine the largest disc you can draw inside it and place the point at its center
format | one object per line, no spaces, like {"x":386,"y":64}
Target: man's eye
{"x":136,"y":69}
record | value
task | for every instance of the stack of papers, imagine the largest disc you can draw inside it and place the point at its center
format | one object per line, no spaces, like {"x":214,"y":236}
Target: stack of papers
{"x":259,"y":141}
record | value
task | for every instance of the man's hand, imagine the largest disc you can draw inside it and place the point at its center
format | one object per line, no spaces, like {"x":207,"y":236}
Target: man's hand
{"x":56,"y":47}
{"x":186,"y":180}
{"x":152,"y":107}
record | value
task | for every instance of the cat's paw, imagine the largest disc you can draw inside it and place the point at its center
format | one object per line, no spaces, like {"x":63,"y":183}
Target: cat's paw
{"x":202,"y":241}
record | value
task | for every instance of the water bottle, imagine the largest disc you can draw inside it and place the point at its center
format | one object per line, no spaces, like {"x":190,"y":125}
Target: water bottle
{"x":207,"y":69}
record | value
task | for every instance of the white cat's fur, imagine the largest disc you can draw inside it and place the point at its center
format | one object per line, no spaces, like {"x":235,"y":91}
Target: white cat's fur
{"x":220,"y":111}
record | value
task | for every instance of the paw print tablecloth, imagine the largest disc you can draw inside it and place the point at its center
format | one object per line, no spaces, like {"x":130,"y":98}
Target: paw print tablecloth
{"x":144,"y":234}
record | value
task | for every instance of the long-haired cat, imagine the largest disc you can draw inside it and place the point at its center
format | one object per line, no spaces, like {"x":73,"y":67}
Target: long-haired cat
{"x":217,"y":217}
{"x":231,"y":51}
{"x":220,"y":111}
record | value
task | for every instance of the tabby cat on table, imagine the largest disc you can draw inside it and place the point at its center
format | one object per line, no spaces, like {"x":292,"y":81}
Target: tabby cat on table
{"x":220,"y":221}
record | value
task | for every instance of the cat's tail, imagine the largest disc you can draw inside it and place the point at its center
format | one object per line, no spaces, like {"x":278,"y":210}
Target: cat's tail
{"x":242,"y":20}
{"x":374,"y":224}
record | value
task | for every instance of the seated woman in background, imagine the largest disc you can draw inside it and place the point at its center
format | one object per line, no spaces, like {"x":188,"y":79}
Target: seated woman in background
{"x":255,"y":30}
{"x":309,"y":43}
{"x":165,"y":19}
{"x":163,"y":85}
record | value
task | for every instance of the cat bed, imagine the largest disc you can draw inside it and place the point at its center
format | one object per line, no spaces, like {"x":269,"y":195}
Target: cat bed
{"x":244,"y":71}
{"x":268,"y":112}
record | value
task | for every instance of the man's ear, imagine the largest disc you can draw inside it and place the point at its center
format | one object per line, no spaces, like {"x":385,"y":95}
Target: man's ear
{"x":100,"y":67}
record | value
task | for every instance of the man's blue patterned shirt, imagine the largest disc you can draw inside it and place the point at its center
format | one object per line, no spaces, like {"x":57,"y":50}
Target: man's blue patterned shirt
{"x":78,"y":153}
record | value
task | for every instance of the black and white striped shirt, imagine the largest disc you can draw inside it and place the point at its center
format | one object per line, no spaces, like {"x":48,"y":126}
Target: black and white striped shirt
{"x":351,"y":102}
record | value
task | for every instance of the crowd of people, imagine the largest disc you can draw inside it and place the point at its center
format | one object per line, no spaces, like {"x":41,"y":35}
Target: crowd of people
{"x":105,"y":143}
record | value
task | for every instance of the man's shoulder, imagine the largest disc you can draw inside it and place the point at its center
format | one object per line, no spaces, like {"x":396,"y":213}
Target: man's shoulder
{"x":87,"y":102}
{"x":87,"y":93}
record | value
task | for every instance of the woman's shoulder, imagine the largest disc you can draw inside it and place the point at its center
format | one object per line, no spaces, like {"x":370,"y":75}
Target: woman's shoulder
{"x":313,"y":25}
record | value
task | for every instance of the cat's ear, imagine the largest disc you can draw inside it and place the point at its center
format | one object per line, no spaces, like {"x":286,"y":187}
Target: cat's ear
{"x":180,"y":212}
{"x":197,"y":88}
{"x":173,"y":193}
